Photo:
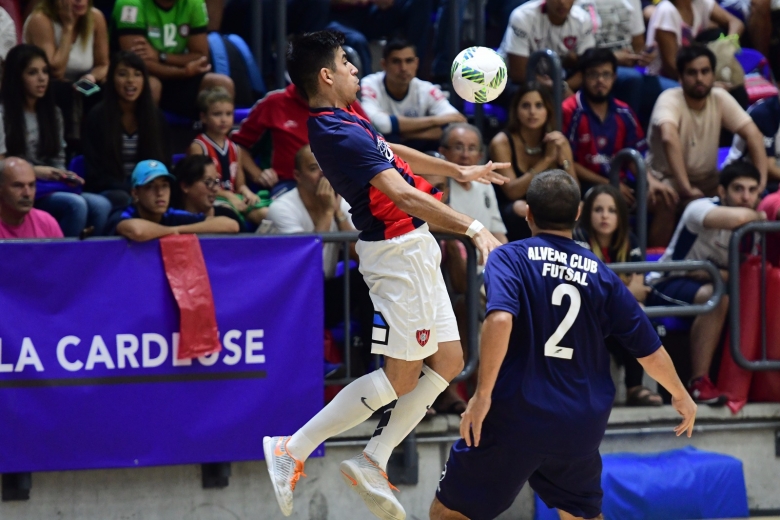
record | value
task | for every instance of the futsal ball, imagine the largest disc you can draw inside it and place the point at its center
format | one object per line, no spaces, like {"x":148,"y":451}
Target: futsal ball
{"x":478,"y":74}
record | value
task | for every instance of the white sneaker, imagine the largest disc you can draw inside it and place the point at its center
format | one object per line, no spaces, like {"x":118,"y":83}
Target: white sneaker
{"x":284,"y":470}
{"x":371,"y":483}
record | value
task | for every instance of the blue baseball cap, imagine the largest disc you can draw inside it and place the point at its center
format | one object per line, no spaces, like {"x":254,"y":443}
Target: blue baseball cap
{"x":146,"y":171}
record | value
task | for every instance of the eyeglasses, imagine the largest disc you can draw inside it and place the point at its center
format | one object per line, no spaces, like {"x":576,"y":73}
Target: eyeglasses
{"x":211,"y":183}
{"x":459,"y":148}
{"x":599,"y":75}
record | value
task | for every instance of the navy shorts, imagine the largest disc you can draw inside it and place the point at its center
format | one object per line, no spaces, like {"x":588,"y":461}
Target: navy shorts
{"x":482,"y":482}
{"x":674,"y":291}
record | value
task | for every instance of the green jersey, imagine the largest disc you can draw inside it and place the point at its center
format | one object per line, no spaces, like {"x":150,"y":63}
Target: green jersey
{"x":166,"y":29}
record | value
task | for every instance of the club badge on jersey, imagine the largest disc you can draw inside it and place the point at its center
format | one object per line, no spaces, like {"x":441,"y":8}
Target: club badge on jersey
{"x":423,"y":336}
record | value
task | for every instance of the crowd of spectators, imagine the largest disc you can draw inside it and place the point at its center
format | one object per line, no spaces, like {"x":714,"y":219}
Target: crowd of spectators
{"x":636,"y":75}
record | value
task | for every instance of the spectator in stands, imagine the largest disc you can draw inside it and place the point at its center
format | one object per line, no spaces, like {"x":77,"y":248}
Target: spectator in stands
{"x":280,"y":115}
{"x":400,"y":105}
{"x":676,"y":24}
{"x":376,"y":19}
{"x":33,"y":129}
{"x":197,"y":188}
{"x":123,"y":129}
{"x":770,"y":206}
{"x":598,"y":126}
{"x":7,"y":34}
{"x":151,"y":217}
{"x":170,"y":36}
{"x":622,"y":30}
{"x":532,"y":146}
{"x":548,"y":24}
{"x":765,"y":113}
{"x":703,"y":234}
{"x":604,"y":229}
{"x":216,"y":117}
{"x":18,"y":217}
{"x":684,"y":134}
{"x":758,"y":16}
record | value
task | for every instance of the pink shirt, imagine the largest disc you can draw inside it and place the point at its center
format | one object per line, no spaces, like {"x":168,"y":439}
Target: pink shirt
{"x":770,"y":205}
{"x":37,"y":224}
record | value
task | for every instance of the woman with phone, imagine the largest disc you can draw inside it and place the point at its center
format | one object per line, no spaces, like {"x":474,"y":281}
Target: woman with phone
{"x":122,"y":130}
{"x":33,"y":130}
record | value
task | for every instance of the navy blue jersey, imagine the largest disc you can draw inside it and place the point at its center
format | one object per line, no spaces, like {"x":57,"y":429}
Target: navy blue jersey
{"x":766,"y":115}
{"x":172,"y":217}
{"x":351,"y":153}
{"x":554,"y":391}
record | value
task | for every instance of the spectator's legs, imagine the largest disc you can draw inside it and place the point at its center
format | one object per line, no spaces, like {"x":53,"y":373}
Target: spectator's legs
{"x":410,"y":19}
{"x":359,"y":43}
{"x":68,"y":209}
{"x":759,"y":25}
{"x":705,"y":333}
{"x":443,"y":58}
{"x":307,"y":15}
{"x":156,"y":87}
{"x":98,"y":210}
{"x":663,"y":224}
{"x":628,"y":87}
{"x":212,"y":80}
{"x":634,"y":372}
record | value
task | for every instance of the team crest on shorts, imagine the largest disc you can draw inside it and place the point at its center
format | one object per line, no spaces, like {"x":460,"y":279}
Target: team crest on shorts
{"x":423,"y":336}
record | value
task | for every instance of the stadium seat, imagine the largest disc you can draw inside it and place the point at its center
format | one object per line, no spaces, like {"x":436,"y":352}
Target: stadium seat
{"x":495,"y":111}
{"x":177,"y":157}
{"x":177,"y":120}
{"x":722,"y":154}
{"x":758,"y":75}
{"x":77,"y":165}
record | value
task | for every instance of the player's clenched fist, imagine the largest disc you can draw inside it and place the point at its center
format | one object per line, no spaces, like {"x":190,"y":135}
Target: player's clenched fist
{"x":471,"y":420}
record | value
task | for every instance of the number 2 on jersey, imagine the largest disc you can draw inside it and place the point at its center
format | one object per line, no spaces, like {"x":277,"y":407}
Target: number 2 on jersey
{"x":551,"y":347}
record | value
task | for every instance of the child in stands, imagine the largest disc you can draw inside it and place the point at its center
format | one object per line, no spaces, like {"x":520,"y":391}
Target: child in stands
{"x":216,"y":115}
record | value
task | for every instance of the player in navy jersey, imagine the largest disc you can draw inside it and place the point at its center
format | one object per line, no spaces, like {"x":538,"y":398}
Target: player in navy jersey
{"x":545,"y":391}
{"x":414,"y":325}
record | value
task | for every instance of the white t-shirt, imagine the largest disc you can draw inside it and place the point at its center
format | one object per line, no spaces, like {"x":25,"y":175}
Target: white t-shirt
{"x":618,"y":20}
{"x":422,"y":99}
{"x":530,"y":30}
{"x":7,"y":33}
{"x":666,"y":17}
{"x":288,"y":215}
{"x":692,"y":241}
{"x":81,"y":59}
{"x":479,"y":202}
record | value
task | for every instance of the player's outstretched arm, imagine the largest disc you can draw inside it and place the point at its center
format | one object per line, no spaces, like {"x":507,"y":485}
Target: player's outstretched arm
{"x":659,"y":366}
{"x":492,"y":350}
{"x":428,"y":165}
{"x":421,"y":205}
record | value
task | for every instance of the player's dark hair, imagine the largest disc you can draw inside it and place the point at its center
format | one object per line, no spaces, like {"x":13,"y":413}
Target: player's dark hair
{"x":689,"y":53}
{"x":738,"y":169}
{"x":308,"y":54}
{"x":188,"y":171}
{"x":554,"y":199}
{"x":619,"y":242}
{"x":396,"y":44}
{"x":596,"y":56}
{"x":513,"y":125}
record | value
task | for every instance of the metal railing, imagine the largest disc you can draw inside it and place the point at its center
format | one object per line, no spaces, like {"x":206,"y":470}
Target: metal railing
{"x":556,"y":73}
{"x":762,"y":228}
{"x":719,"y":287}
{"x":621,"y":158}
{"x":472,"y":299}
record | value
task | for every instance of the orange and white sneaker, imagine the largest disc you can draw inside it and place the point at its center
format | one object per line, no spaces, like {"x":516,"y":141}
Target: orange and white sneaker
{"x":371,"y":483}
{"x":284,"y":470}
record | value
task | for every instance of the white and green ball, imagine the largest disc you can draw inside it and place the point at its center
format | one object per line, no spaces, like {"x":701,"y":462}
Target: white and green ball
{"x":478,"y":74}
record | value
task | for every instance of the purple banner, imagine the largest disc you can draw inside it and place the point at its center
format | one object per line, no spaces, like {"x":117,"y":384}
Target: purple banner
{"x":88,"y":338}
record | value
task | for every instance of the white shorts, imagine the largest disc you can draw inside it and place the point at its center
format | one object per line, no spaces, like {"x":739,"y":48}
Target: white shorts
{"x":412,"y":310}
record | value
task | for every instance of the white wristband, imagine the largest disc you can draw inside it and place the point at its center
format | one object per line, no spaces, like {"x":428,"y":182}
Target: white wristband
{"x":475,"y":227}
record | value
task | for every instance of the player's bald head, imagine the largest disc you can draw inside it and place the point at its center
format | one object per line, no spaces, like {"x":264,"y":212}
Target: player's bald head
{"x":554,"y":200}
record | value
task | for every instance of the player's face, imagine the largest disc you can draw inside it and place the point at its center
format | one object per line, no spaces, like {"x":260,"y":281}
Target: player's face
{"x":463,"y":147}
{"x":308,"y":173}
{"x":401,"y":66}
{"x":35,"y":78}
{"x":598,"y":82}
{"x":154,"y":197}
{"x":219,"y":119}
{"x":698,"y":78}
{"x":604,"y":217}
{"x":201,"y":195}
{"x":128,"y":83}
{"x":742,"y":193}
{"x":531,"y":111}
{"x":345,"y":80}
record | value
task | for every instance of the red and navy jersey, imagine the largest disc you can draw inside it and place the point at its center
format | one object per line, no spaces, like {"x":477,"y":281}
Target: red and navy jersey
{"x":554,"y":390}
{"x":225,"y":159}
{"x":595,"y":142}
{"x":351,"y":153}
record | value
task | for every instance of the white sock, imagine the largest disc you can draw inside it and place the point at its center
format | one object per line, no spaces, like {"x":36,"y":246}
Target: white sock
{"x":398,"y":422}
{"x":353,"y":405}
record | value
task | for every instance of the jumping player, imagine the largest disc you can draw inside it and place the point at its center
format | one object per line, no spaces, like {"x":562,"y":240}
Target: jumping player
{"x":545,"y":392}
{"x":414,"y":325}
